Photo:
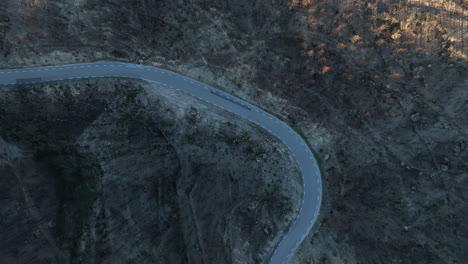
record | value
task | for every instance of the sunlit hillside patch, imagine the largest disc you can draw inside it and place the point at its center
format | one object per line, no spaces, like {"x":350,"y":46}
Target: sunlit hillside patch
{"x":34,"y":3}
{"x":431,"y":24}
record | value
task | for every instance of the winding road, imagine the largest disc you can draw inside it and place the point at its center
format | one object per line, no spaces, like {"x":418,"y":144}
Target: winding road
{"x":312,"y":196}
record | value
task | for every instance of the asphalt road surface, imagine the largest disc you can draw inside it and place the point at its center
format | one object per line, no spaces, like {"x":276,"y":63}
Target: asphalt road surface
{"x":312,"y":196}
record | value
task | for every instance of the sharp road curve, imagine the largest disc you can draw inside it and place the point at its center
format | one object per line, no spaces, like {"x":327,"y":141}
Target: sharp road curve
{"x":312,"y":196}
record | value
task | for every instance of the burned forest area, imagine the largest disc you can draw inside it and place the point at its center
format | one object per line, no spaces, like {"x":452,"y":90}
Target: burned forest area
{"x":123,"y":171}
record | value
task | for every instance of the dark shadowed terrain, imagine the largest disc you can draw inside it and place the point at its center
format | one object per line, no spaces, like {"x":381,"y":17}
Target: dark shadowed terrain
{"x":118,"y":172}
